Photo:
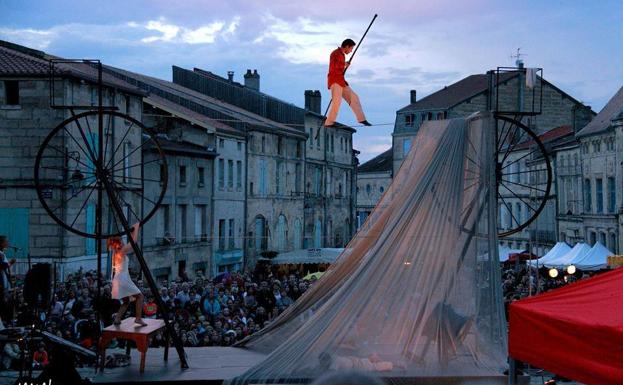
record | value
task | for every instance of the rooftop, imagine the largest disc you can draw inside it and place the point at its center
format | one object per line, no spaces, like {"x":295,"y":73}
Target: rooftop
{"x":456,"y":93}
{"x":20,"y":61}
{"x":380,"y":163}
{"x":612,"y":110}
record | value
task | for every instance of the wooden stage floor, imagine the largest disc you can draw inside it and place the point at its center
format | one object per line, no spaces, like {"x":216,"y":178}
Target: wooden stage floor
{"x":207,"y":366}
{"x":213,"y":365}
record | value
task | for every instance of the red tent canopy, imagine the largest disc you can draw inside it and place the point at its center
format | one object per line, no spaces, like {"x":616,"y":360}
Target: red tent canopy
{"x":575,"y":331}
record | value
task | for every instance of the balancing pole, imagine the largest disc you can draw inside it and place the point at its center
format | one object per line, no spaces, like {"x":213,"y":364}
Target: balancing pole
{"x":349,"y":61}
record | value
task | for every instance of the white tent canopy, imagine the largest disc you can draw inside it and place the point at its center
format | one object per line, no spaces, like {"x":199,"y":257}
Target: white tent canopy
{"x":595,"y":259}
{"x":559,"y":249}
{"x":578,"y":251}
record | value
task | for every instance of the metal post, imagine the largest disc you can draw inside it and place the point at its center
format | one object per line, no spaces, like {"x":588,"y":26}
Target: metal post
{"x":177,"y":342}
{"x":512,"y":371}
{"x":98,"y":208}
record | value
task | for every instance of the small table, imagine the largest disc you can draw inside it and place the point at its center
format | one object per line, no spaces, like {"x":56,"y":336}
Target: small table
{"x":141,"y":335}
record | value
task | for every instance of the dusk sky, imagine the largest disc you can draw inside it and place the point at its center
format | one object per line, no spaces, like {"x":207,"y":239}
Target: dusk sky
{"x":422,"y":45}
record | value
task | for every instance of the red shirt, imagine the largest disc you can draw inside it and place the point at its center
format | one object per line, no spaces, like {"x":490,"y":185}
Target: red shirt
{"x":337,"y":63}
{"x":149,"y":309}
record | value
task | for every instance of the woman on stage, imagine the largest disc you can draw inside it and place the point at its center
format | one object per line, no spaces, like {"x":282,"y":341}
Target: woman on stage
{"x":122,"y":286}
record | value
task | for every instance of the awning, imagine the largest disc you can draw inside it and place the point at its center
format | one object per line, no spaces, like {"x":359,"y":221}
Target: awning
{"x":295,"y":257}
{"x":575,"y":331}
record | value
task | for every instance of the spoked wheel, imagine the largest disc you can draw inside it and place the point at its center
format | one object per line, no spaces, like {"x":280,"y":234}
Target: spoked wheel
{"x":68,"y":172}
{"x":523,"y":173}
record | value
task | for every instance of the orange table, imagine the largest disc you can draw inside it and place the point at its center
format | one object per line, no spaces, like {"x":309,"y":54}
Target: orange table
{"x":141,"y":335}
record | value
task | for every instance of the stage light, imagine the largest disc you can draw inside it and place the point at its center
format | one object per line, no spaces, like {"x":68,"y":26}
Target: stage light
{"x":553,"y":273}
{"x":570,"y":269}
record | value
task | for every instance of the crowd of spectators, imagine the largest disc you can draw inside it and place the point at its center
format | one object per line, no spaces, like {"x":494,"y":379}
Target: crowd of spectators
{"x":522,"y":281}
{"x":205,"y":312}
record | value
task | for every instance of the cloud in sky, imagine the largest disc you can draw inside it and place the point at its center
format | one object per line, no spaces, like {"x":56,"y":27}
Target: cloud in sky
{"x":422,"y":45}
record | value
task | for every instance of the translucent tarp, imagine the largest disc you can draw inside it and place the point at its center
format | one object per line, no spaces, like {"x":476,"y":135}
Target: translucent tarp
{"x":411,"y":295}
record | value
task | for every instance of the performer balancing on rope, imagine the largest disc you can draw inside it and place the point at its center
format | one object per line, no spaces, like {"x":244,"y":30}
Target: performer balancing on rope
{"x":122,"y":286}
{"x":340,"y":88}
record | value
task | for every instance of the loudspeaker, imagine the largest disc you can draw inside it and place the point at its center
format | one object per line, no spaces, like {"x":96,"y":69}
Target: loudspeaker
{"x":38,"y":285}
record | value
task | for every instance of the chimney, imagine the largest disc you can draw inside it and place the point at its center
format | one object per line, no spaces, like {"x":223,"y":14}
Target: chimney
{"x":230,"y":76}
{"x":312,"y":100}
{"x":413,"y":96}
{"x":252,"y":80}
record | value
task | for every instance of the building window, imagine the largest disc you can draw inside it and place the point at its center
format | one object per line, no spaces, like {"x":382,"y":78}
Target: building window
{"x":127,"y":104}
{"x":262,"y":176}
{"x":311,"y":137}
{"x":239,"y":144}
{"x":423,"y":116}
{"x":333,"y":142}
{"x":201,"y":223}
{"x":318,"y":139}
{"x":439,"y":115}
{"x":278,"y":178}
{"x":11,"y":92}
{"x":613,"y":243}
{"x":599,"y":195}
{"x":368,"y":189}
{"x":182,"y":175}
{"x":263,"y":144}
{"x":430,"y":116}
{"x":588,"y":199}
{"x":183,"y":228}
{"x":238,"y":175}
{"x":230,"y":174}
{"x":611,"y":195}
{"x":126,"y":162}
{"x":221,"y":234}
{"x":93,"y":96}
{"x":221,"y":173}
{"x":163,"y":172}
{"x":230,"y":230}
{"x":297,"y":177}
{"x":406,"y":146}
{"x":409,"y":119}
{"x":593,"y":238}
{"x":299,"y":149}
{"x":200,"y":176}
{"x":602,"y":238}
{"x":445,"y":114}
{"x":318,"y":181}
{"x":221,"y":143}
{"x":381,"y":189}
{"x":166,"y":230}
{"x":280,"y":145}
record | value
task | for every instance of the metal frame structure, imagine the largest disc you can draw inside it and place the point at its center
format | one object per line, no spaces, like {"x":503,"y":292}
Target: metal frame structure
{"x":104,"y":185}
{"x":506,"y":143}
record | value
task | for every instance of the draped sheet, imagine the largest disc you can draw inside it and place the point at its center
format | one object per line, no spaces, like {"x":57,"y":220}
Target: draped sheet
{"x":415,"y":292}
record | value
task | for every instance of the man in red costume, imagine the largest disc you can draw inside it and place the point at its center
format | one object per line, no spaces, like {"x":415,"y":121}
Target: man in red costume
{"x":340,"y":88}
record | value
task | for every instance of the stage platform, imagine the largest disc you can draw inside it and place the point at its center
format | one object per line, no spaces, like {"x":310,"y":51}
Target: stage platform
{"x":207,"y":366}
{"x":213,"y":365}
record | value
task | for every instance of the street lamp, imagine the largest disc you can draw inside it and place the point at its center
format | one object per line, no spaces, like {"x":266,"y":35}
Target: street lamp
{"x":553,"y":273}
{"x":570,"y":269}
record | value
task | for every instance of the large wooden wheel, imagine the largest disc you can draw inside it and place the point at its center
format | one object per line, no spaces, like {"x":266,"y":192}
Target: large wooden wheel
{"x":69,"y":171}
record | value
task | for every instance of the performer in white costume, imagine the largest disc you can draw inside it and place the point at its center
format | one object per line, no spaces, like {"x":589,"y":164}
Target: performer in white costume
{"x":122,"y":286}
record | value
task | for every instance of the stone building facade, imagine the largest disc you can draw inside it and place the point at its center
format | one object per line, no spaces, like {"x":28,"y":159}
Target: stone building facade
{"x":301,"y":182}
{"x":373,"y":179}
{"x":559,"y":110}
{"x":178,"y":240}
{"x":26,"y":118}
{"x":591,"y":194}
